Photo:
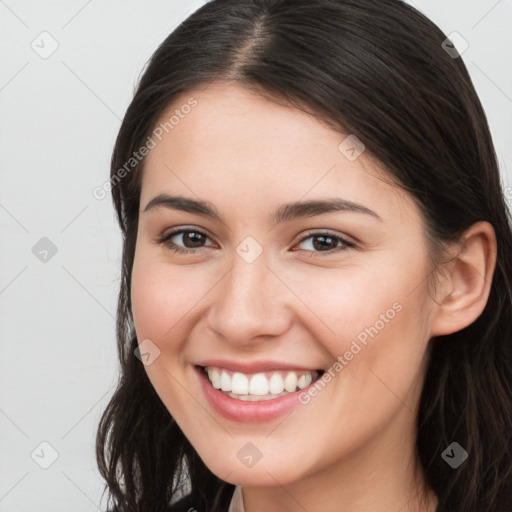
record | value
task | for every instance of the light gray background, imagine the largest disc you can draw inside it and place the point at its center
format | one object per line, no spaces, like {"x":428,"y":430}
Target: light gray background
{"x":59,"y":117}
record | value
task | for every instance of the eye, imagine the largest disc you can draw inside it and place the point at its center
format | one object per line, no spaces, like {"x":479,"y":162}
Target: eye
{"x":193,"y":237}
{"x":324,"y":242}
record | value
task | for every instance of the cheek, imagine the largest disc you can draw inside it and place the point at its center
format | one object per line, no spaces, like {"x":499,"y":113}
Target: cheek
{"x":377,"y":350}
{"x":371,"y":319}
{"x":161,"y":297}
{"x":346,"y":302}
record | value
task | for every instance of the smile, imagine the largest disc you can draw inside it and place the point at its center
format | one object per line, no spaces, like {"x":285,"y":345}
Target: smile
{"x":259,"y":386}
{"x":248,"y":394}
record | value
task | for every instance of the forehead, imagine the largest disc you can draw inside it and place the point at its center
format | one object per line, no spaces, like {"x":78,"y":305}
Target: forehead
{"x":234,"y":140}
{"x":244,"y":120}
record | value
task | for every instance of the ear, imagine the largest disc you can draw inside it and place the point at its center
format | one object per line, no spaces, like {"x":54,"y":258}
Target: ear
{"x":467,"y":284}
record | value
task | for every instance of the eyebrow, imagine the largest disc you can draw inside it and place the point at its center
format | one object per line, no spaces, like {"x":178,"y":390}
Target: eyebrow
{"x":286,"y":212}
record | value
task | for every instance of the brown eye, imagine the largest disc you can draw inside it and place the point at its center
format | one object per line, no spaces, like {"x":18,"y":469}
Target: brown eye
{"x":326,"y":243}
{"x":190,"y":238}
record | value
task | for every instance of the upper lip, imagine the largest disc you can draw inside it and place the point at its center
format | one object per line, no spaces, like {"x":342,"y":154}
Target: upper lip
{"x":253,"y":366}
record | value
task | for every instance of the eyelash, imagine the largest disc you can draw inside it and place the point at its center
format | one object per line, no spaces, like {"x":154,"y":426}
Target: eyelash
{"x":164,"y":240}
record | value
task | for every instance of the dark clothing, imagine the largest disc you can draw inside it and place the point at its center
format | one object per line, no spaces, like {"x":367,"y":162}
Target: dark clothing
{"x":192,"y":503}
{"x":187,"y":504}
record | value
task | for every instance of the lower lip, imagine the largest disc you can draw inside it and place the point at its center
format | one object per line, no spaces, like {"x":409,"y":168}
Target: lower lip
{"x":248,"y":412}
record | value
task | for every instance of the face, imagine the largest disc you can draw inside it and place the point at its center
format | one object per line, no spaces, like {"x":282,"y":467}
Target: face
{"x":312,"y":321}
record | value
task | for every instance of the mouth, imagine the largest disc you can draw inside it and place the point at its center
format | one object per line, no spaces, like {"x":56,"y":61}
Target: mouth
{"x":261,"y":386}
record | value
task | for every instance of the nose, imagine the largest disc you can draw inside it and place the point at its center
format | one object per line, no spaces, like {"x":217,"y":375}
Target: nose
{"x":251,"y":301}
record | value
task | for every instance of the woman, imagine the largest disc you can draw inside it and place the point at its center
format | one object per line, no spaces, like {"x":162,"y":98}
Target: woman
{"x":315,"y":308}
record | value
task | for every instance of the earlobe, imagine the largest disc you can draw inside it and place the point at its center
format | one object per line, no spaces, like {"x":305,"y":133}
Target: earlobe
{"x":468,"y":281}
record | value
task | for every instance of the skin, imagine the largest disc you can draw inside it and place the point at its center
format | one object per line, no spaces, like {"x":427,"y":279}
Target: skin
{"x":351,"y":447}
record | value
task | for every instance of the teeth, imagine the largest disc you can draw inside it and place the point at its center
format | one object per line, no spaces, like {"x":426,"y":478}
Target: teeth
{"x":276,"y":384}
{"x":259,"y":386}
{"x":225,"y":381}
{"x":290,"y":382}
{"x":239,"y":384}
{"x":304,"y":380}
{"x":214,"y":376}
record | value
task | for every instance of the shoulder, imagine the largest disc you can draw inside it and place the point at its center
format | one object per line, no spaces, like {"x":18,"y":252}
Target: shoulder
{"x":187,"y":504}
{"x":193,"y":503}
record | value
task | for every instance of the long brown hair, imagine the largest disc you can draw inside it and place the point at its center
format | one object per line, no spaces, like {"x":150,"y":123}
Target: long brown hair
{"x":379,"y":69}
